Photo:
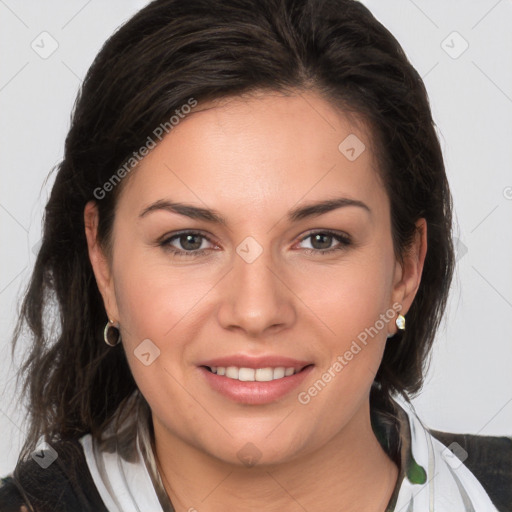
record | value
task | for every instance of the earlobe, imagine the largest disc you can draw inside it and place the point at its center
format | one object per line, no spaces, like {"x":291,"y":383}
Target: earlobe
{"x":99,"y":261}
{"x":409,"y":270}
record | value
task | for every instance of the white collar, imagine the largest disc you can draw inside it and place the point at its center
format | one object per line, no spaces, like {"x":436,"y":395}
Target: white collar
{"x":123,"y":486}
{"x":449,"y":485}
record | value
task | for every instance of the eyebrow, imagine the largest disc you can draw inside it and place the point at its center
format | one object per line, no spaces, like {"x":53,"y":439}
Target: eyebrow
{"x":309,"y":210}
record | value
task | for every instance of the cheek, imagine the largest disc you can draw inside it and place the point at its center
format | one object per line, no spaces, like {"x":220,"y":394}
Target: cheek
{"x":350,"y":296}
{"x":165,"y":304}
{"x":352,"y":302}
{"x":152,"y":296}
{"x":152,"y":305}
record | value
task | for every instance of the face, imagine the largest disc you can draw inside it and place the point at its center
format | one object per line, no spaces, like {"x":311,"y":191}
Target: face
{"x":244,"y":274}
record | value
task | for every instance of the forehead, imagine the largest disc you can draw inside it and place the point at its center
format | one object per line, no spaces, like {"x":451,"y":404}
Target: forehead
{"x":259,"y":152}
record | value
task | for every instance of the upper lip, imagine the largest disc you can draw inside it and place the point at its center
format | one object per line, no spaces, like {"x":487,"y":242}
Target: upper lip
{"x":266,"y":361}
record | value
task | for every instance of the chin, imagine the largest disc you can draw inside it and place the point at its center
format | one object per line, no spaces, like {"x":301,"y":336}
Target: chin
{"x":257,"y":451}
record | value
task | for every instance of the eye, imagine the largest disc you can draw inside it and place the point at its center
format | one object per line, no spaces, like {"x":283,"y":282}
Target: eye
{"x":192,"y":243}
{"x":321,"y":242}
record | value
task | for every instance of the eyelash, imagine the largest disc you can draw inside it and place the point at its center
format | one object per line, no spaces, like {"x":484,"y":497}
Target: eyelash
{"x":344,"y":241}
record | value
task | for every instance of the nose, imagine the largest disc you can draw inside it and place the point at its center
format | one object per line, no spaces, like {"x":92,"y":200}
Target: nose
{"x":256,"y":299}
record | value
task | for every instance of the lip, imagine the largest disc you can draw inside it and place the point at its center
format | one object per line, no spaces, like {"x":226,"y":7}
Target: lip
{"x":244,"y":361}
{"x":254,"y":392}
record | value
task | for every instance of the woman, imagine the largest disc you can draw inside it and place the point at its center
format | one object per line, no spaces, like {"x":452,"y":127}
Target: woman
{"x":249,"y":243}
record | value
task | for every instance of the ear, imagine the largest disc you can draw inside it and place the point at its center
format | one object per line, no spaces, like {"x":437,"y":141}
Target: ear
{"x":408,"y":272}
{"x":100,"y":263}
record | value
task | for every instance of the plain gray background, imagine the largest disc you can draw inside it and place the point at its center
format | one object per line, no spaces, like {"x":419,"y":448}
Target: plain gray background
{"x":469,"y":385}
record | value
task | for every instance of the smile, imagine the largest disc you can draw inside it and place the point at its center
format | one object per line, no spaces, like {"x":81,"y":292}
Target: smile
{"x":258,"y":385}
{"x":253,"y":374}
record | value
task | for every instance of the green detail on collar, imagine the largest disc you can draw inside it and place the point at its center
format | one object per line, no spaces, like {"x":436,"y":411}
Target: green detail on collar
{"x":416,"y":474}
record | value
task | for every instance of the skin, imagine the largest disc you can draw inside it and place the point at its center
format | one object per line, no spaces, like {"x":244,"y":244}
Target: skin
{"x":253,"y":159}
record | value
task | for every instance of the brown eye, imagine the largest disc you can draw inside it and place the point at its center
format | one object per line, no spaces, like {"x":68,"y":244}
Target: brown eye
{"x":321,"y":242}
{"x":188,"y":243}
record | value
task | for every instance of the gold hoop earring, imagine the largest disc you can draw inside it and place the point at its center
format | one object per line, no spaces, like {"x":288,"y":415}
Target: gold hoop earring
{"x":111,"y":339}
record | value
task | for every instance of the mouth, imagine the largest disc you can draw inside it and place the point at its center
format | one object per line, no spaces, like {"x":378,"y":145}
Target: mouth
{"x":265,"y":374}
{"x":255,"y":381}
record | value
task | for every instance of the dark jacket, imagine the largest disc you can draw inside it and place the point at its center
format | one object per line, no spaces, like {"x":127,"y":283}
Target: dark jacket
{"x":67,"y":485}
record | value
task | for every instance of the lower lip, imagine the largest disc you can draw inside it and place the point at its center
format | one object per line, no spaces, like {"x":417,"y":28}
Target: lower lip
{"x":255,"y":393}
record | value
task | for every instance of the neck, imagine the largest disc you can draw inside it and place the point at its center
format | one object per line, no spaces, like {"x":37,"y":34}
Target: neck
{"x":336,"y":477}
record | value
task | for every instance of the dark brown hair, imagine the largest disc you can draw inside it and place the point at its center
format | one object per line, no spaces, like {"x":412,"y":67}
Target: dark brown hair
{"x":172,"y":51}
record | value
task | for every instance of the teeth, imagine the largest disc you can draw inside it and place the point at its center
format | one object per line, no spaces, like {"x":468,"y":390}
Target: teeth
{"x":246,"y":374}
{"x":279,"y":372}
{"x":232,"y":372}
{"x":265,"y":374}
{"x":251,"y":374}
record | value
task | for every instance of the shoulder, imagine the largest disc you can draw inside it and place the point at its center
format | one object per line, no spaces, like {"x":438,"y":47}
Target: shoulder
{"x":62,"y":482}
{"x":489,"y":458}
